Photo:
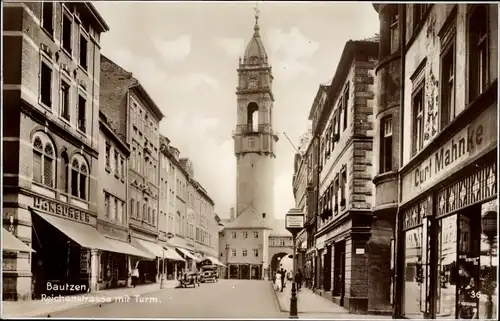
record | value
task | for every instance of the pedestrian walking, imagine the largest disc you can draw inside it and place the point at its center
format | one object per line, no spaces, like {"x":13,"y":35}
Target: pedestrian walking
{"x":298,"y":279}
{"x":135,"y":276}
{"x":282,"y":276}
{"x":277,"y":280}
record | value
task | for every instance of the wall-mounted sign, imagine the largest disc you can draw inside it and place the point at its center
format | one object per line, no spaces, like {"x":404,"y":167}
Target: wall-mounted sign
{"x":64,"y":210}
{"x":475,"y":138}
{"x":294,"y":221}
{"x":360,"y":251}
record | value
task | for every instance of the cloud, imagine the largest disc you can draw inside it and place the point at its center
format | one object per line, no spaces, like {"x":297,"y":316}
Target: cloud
{"x":192,"y":82}
{"x":233,"y":47}
{"x":174,"y":50}
{"x":283,"y":193}
{"x":291,"y":52}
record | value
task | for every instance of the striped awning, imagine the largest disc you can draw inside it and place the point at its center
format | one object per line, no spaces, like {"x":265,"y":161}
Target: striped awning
{"x":188,"y":254}
{"x":171,"y":254}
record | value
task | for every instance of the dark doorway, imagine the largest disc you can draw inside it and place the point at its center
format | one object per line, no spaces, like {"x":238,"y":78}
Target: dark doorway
{"x":327,"y":271}
{"x":245,"y":272}
{"x":255,"y":272}
{"x":233,"y":272}
{"x":339,"y":271}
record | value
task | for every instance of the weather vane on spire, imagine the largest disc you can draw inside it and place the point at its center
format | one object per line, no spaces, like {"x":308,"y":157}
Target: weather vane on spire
{"x":257,"y":11}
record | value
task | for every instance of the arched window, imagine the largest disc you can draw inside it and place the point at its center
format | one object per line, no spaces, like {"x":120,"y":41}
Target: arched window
{"x":79,"y":177}
{"x":253,"y":117}
{"x":43,"y":160}
{"x":63,"y":185}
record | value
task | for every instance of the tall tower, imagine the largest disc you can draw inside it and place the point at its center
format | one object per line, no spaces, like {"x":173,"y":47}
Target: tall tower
{"x":254,"y":139}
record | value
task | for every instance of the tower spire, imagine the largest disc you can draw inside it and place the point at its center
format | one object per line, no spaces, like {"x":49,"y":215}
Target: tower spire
{"x":257,"y":12}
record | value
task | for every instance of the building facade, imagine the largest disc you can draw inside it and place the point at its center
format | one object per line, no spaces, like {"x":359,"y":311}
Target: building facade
{"x":50,"y":162}
{"x":447,"y":159}
{"x":136,"y":118}
{"x":345,"y":187}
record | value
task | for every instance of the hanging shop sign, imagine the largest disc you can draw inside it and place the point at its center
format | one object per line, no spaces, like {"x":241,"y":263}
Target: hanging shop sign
{"x":477,"y":187}
{"x":475,"y":138}
{"x":57,"y":208}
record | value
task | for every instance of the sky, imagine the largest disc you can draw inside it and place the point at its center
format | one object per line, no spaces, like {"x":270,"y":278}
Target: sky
{"x":186,"y":53}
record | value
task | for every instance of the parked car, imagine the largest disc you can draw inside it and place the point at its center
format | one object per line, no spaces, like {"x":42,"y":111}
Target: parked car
{"x":189,"y":278}
{"x":209,"y":273}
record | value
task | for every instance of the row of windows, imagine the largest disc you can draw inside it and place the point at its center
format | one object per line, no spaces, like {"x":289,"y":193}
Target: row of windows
{"x":143,"y":123}
{"x":477,"y":74}
{"x":144,"y":165}
{"x":116,"y":163}
{"x":65,"y":94}
{"x":245,"y":234}
{"x":73,"y":176}
{"x":148,"y":213}
{"x":115,"y":208}
{"x":244,"y":252}
{"x":337,"y":126}
{"x":334,"y":197}
{"x":67,"y":32}
{"x":279,"y":242}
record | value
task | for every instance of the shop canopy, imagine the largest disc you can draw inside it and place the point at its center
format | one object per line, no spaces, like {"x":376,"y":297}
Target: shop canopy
{"x":214,"y":261}
{"x":83,"y":234}
{"x":188,"y":254}
{"x":127,"y":248}
{"x":156,"y":250}
{"x":171,"y":254}
{"x":13,"y":244}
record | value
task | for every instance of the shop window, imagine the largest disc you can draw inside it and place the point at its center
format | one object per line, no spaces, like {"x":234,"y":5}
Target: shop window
{"x":446,"y":267}
{"x":478,"y":50}
{"x":448,"y":79}
{"x":79,"y":177}
{"x":65,"y":100}
{"x":82,"y":112}
{"x":386,"y":145}
{"x":43,"y":160}
{"x":48,"y":17}
{"x":67,"y":25}
{"x":412,"y":274}
{"x":418,"y":120}
{"x":244,"y":252}
{"x":46,"y":84}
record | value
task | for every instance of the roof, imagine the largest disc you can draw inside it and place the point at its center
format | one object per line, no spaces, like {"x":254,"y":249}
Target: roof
{"x":322,"y":89}
{"x":247,"y":219}
{"x":97,"y":16}
{"x":255,"y":48}
{"x":279,"y":228}
{"x":149,"y":101}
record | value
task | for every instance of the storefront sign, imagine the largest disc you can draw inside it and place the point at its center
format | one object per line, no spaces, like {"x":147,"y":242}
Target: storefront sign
{"x":477,"y":187}
{"x":477,"y":137}
{"x":60,"y":209}
{"x":336,"y":231}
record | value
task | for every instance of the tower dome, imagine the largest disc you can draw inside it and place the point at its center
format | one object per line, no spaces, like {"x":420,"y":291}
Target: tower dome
{"x":255,"y":53}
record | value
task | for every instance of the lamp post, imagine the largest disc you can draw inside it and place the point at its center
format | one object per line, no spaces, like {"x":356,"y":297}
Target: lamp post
{"x":169,"y":236}
{"x":227,"y":261}
{"x":294,"y":223}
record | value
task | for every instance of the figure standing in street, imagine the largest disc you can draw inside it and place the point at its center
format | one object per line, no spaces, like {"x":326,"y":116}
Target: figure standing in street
{"x":283,"y":275}
{"x":135,"y":276}
{"x":298,"y":279}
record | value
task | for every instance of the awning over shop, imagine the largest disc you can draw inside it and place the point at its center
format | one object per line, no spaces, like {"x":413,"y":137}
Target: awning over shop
{"x":85,"y":235}
{"x":127,"y":248}
{"x":171,"y":254}
{"x":156,"y":250}
{"x":13,"y":244}
{"x":188,"y":254}
{"x":214,"y":261}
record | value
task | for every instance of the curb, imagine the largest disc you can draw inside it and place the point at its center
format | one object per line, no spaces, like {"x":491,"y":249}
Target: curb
{"x":83,"y":305}
{"x":275,"y":295}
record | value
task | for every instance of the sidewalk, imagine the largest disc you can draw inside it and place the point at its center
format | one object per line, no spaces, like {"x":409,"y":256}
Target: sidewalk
{"x":41,"y":308}
{"x":313,"y":306}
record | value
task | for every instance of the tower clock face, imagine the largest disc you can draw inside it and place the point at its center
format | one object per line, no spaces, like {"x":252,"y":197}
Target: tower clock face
{"x":253,"y":79}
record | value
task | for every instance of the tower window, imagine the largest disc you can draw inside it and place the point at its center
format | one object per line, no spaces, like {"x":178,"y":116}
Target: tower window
{"x":253,"y":117}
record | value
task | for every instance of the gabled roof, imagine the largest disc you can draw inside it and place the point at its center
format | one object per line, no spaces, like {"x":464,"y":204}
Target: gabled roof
{"x":247,"y":219}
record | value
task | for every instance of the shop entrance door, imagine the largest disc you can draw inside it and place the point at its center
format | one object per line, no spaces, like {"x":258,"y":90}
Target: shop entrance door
{"x":328,"y":269}
{"x":339,"y":271}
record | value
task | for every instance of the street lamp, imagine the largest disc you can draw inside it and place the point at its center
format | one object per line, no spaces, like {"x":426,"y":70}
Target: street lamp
{"x":169,"y":236}
{"x":294,"y":223}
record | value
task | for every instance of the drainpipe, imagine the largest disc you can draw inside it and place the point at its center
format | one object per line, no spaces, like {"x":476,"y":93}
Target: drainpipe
{"x":397,"y":247}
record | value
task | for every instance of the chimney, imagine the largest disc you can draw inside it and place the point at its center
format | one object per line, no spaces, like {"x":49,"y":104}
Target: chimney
{"x":231,"y":215}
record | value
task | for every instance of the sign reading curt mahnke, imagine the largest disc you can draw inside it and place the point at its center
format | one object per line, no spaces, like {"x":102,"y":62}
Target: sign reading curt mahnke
{"x":63,"y":210}
{"x":467,"y":143}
